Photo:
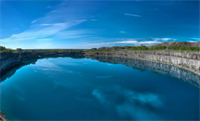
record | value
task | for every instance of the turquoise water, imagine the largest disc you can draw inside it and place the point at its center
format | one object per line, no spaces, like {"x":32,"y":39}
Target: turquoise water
{"x":86,"y":89}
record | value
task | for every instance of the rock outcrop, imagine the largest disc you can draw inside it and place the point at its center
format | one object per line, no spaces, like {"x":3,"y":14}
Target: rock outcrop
{"x":11,"y":60}
{"x":167,"y":62}
{"x":173,"y":71}
{"x":2,"y":117}
{"x":180,"y":44}
{"x":186,"y":60}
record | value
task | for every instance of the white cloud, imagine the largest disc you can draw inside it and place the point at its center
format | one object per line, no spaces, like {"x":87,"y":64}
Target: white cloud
{"x":137,"y":43}
{"x":33,"y":21}
{"x":46,"y":39}
{"x":37,"y":33}
{"x":93,"y":19}
{"x":41,"y":32}
{"x":72,"y":34}
{"x":132,"y":104}
{"x":41,"y":28}
{"x":134,"y":15}
{"x":196,"y":39}
{"x":138,"y":0}
{"x":47,"y":65}
{"x":163,"y":39}
{"x":130,"y":41}
{"x":15,"y":29}
{"x":122,"y":32}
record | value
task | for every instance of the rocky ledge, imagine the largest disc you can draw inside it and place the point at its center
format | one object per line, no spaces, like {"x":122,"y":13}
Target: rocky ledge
{"x":142,"y":65}
{"x":183,"y":59}
{"x":2,"y":117}
{"x":11,"y":60}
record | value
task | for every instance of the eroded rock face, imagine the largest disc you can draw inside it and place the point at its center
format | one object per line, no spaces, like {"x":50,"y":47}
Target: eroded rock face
{"x":2,"y":117}
{"x":174,"y":71}
{"x":11,"y":60}
{"x":136,"y":59}
{"x":180,"y":44}
{"x":186,"y":60}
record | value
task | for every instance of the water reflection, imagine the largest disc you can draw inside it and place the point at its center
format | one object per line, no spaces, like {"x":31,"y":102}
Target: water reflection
{"x":142,"y":65}
{"x":86,"y":89}
{"x":129,"y":103}
{"x":33,"y":61}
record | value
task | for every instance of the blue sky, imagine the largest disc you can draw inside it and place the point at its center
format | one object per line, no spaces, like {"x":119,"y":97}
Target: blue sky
{"x":87,"y":24}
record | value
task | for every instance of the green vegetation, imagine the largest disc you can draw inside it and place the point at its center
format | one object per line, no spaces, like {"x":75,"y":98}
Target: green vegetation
{"x":142,"y":47}
{"x":44,"y":51}
{"x":184,"y":48}
{"x":157,"y":48}
{"x":177,"y":46}
{"x":49,"y":51}
{"x":3,"y":49}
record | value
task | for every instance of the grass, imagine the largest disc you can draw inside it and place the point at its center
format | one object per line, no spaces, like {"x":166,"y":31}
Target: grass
{"x":47,"y":51}
{"x":128,"y":48}
{"x":132,"y":48}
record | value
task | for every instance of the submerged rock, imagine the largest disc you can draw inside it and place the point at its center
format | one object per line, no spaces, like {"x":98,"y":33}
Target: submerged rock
{"x":2,"y":117}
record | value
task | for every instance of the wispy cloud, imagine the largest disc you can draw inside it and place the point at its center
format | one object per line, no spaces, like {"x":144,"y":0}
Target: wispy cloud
{"x":138,"y":43}
{"x":93,"y":19}
{"x":15,"y":29}
{"x":122,"y":32}
{"x":134,"y":15}
{"x":72,"y":34}
{"x":138,"y":0}
{"x":163,"y":39}
{"x":131,"y":104}
{"x":42,"y":31}
{"x":33,"y":21}
{"x":47,"y":39}
{"x":130,"y":41}
{"x":196,"y":39}
{"x":41,"y":65}
{"x":47,"y":26}
{"x":48,"y":6}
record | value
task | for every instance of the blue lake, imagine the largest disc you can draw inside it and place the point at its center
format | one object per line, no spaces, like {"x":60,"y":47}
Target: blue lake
{"x":86,"y":89}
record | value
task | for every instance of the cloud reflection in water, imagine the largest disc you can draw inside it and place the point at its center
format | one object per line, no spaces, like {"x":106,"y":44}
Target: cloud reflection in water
{"x":130,"y":104}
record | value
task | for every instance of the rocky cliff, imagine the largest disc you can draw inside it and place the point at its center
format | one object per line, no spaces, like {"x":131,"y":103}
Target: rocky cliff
{"x":2,"y":117}
{"x":11,"y":60}
{"x":182,"y":59}
{"x":8,"y":62}
{"x":137,"y":59}
{"x":174,"y":71}
{"x":180,"y":44}
{"x":186,"y":60}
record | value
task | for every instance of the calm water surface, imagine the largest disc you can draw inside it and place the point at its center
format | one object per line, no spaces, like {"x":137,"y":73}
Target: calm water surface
{"x":85,"y":89}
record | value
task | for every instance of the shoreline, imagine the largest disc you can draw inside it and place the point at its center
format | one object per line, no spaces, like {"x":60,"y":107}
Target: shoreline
{"x":157,"y":58}
{"x":2,"y":117}
{"x":9,"y":62}
{"x":174,"y":71}
{"x":198,"y":73}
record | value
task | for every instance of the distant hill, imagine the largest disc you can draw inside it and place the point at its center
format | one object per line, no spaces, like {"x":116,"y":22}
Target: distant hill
{"x":188,"y":46}
{"x":180,"y":44}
